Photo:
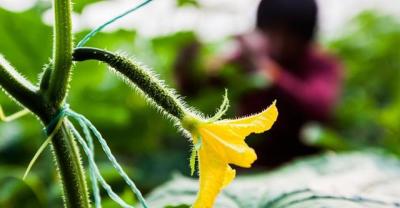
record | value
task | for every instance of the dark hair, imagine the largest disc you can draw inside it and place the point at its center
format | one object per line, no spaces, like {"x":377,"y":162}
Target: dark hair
{"x":298,"y":16}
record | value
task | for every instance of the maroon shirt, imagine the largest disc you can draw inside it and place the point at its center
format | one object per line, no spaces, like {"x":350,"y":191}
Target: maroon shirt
{"x":316,"y":85}
{"x":306,"y":92}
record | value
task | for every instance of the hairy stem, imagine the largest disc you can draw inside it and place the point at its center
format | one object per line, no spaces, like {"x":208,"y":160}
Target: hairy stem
{"x":65,"y":151}
{"x":18,"y":87}
{"x":62,"y":51}
{"x":70,"y":169}
{"x":139,"y":75}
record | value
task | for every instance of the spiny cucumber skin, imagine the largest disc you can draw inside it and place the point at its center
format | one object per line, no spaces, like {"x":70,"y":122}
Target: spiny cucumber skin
{"x":142,"y":77}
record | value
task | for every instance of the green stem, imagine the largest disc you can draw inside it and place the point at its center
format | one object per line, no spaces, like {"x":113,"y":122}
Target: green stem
{"x":18,"y":87}
{"x":143,"y":78}
{"x":70,"y":169}
{"x":62,"y":61}
{"x":66,"y":151}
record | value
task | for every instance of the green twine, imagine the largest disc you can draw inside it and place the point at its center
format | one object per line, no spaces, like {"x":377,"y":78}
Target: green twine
{"x":95,"y":187}
{"x":42,"y":148}
{"x":101,"y":27}
{"x":95,"y":175}
{"x":85,"y":123}
{"x":96,"y":170}
{"x":51,"y":127}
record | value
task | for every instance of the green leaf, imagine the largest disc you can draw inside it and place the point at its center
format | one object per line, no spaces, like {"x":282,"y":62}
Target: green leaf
{"x":25,"y":41}
{"x":319,"y":181}
{"x":371,"y":83}
{"x":181,"y":3}
{"x":14,"y":192}
{"x":179,"y":206}
{"x":80,"y":5}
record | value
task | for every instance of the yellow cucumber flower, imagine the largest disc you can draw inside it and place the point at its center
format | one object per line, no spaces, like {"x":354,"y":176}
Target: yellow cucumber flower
{"x":219,"y":143}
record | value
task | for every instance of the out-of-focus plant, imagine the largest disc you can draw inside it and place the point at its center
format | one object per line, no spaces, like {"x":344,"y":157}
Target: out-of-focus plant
{"x":369,"y":112}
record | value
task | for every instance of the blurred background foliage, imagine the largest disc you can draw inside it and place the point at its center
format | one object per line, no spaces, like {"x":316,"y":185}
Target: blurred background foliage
{"x":369,"y":112}
{"x":149,"y":147}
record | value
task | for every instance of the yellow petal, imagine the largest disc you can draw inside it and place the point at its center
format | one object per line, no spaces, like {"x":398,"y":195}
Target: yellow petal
{"x":215,"y":174}
{"x":252,"y":124}
{"x":229,"y":176}
{"x":229,"y":146}
{"x":227,"y":136}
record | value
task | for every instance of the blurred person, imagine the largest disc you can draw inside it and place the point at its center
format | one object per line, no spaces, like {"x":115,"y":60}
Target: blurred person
{"x":304,"y":79}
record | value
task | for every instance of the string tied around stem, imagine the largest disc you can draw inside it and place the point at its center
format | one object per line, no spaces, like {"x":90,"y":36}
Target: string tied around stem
{"x":87,"y":145}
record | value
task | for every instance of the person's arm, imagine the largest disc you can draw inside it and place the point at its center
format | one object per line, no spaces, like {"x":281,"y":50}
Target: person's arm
{"x":230,"y":54}
{"x":316,"y":94}
{"x":242,"y":48}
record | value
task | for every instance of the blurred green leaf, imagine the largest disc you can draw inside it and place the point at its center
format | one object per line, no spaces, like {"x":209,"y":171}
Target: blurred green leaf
{"x":25,"y":41}
{"x":319,"y":181}
{"x":181,"y":3}
{"x":178,"y":206}
{"x":80,"y":5}
{"x":368,"y":113}
{"x":15,"y":193}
